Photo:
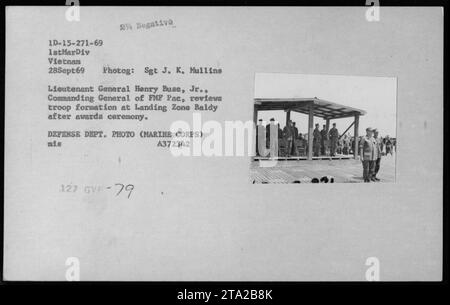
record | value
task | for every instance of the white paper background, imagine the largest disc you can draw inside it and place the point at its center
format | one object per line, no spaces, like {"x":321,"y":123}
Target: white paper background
{"x":199,"y":218}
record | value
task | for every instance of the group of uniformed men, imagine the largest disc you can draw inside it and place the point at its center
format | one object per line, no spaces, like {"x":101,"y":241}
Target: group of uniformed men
{"x":370,"y":151}
{"x":273,"y":132}
{"x":320,"y":138}
{"x":291,"y":134}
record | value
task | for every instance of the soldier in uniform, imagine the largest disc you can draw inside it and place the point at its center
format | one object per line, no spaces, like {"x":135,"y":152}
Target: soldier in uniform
{"x":340,"y":145}
{"x":368,"y":151}
{"x":346,"y":145}
{"x":379,"y":150}
{"x":288,"y":134}
{"x":333,"y":136}
{"x":323,"y":137}
{"x":295,"y":130}
{"x":316,"y":141}
{"x":388,"y":143}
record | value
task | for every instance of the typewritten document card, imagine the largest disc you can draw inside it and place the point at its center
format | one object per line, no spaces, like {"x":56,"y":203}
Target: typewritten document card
{"x":223,"y":144}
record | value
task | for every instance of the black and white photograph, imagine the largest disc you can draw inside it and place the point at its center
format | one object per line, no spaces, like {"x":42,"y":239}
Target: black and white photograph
{"x":324,"y":128}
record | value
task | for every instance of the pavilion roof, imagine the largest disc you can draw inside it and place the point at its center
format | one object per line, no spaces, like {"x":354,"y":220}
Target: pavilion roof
{"x":322,"y":108}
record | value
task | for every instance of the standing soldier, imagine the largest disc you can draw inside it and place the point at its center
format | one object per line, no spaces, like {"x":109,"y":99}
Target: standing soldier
{"x":388,"y":143}
{"x":323,"y":138}
{"x":316,"y":142}
{"x":383,"y":151}
{"x":368,"y":152}
{"x":288,"y":133}
{"x":295,"y":130}
{"x":379,"y":150}
{"x":333,"y":135}
{"x":340,"y":145}
{"x":280,"y":132}
{"x":346,"y":144}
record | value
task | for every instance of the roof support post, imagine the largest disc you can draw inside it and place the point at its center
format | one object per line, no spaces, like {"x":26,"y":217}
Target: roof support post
{"x":356,"y":135}
{"x":310,"y":130}
{"x":327,"y":124}
{"x":288,"y":116}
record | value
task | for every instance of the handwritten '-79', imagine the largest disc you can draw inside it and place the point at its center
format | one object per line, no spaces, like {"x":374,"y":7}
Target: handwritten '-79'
{"x":125,"y":189}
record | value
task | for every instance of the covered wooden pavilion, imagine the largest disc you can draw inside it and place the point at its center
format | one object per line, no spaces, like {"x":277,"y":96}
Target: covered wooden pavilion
{"x":312,"y":107}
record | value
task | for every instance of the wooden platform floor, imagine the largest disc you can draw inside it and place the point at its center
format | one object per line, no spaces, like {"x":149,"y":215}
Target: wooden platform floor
{"x":337,"y":157}
{"x":343,"y":170}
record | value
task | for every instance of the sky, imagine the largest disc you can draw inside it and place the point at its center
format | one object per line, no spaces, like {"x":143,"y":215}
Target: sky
{"x":375,"y":95}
